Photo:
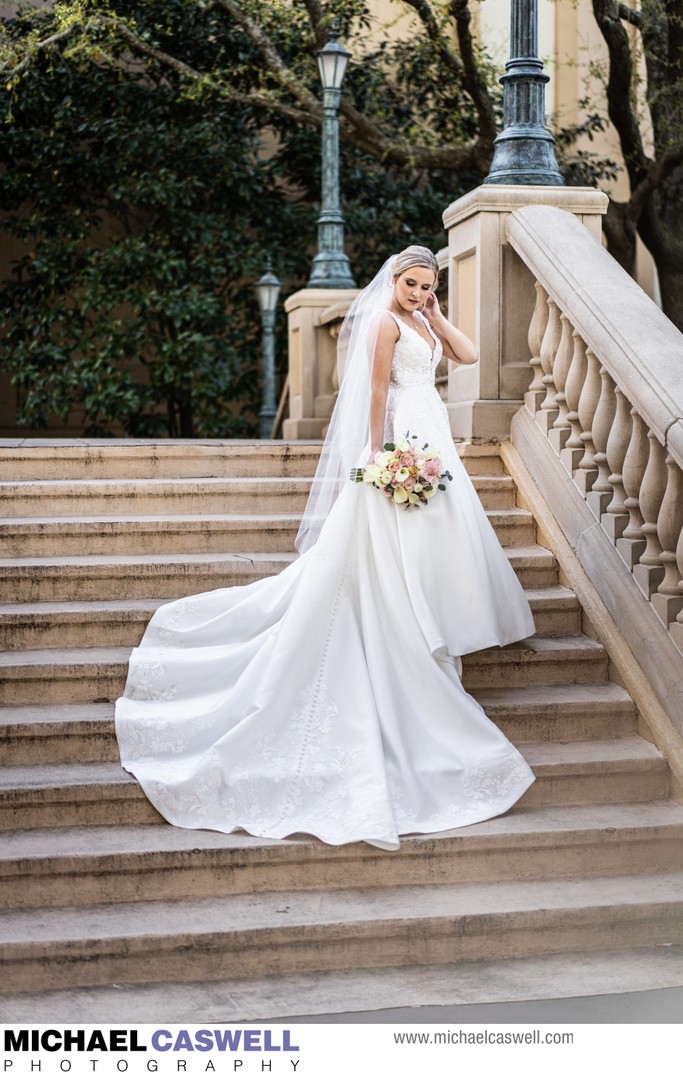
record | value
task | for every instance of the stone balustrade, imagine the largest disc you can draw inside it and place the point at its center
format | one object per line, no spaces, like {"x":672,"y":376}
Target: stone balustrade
{"x":607,"y":395}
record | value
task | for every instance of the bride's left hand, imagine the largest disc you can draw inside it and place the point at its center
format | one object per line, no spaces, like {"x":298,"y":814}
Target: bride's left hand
{"x":431,"y":308}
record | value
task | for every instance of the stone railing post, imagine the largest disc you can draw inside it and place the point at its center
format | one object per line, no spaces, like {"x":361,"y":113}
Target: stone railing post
{"x":492,"y":297}
{"x":312,"y":353}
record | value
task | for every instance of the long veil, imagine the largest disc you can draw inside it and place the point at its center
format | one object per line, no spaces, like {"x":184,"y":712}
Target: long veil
{"x":347,"y":442}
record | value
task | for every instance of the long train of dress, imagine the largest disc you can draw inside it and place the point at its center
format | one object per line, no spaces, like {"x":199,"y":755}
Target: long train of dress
{"x":327,"y":699}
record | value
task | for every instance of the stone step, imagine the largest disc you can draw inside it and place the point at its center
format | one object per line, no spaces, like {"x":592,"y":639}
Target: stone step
{"x":84,"y":535}
{"x":628,"y":770}
{"x":72,"y":624}
{"x":98,"y":674}
{"x":607,"y":981}
{"x":253,"y":935}
{"x":50,"y":460}
{"x":174,"y":575}
{"x":546,"y":713}
{"x":153,"y":496}
{"x":191,"y":534}
{"x":187,"y":496}
{"x":115,"y":864}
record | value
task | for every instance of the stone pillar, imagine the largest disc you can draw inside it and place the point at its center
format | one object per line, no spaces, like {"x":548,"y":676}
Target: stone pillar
{"x":491,"y":298}
{"x":313,"y":314}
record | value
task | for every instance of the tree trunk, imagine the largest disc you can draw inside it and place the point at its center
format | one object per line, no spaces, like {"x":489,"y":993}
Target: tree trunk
{"x":659,"y":226}
{"x":620,"y":234}
{"x":671,"y":284}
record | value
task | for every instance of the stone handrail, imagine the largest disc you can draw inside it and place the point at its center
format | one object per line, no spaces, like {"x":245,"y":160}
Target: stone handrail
{"x":608,"y":396}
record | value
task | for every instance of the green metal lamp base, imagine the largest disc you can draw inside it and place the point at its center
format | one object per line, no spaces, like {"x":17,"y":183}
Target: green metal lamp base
{"x":331,"y":270}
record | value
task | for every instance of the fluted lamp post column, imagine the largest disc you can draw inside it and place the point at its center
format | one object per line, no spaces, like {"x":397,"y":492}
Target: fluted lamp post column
{"x":331,"y":268}
{"x":524,"y":151}
{"x":268,"y":290}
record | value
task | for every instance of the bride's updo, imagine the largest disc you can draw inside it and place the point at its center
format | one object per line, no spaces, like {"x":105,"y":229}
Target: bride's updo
{"x":415,"y":255}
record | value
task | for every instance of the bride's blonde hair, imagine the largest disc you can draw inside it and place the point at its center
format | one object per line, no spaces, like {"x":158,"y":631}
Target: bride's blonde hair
{"x":415,"y":255}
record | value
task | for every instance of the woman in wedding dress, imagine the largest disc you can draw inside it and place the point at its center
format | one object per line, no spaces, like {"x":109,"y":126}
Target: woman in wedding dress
{"x":327,"y":700}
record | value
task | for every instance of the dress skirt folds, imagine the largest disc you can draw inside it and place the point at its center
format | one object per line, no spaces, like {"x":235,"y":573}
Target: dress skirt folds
{"x":327,"y":700}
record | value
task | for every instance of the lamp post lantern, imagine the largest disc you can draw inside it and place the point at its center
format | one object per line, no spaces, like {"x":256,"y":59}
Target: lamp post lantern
{"x":268,"y":290}
{"x":331,"y":267}
{"x":524,"y":152}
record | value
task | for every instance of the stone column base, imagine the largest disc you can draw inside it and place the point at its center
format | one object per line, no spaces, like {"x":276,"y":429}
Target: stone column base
{"x":304,"y":429}
{"x":483,"y":420}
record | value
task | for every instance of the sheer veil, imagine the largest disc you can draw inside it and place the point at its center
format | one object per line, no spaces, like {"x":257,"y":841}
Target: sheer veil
{"x":347,"y":443}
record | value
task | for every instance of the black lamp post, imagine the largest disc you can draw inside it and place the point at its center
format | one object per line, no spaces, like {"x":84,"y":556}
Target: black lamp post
{"x":524,"y":152}
{"x":331,"y":268}
{"x":268,"y":290}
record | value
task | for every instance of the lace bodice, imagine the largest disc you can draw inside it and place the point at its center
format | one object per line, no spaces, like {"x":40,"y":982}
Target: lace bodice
{"x":414,"y":362}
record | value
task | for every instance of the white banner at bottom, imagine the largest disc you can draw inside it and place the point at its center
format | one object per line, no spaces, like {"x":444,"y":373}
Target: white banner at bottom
{"x":333,"y":1049}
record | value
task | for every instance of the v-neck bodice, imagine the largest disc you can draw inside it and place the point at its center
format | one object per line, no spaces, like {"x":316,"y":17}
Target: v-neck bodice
{"x":414,"y":361}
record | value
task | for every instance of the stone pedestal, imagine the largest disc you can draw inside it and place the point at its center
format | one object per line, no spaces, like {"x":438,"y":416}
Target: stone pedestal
{"x":491,"y":298}
{"x":314,"y":316}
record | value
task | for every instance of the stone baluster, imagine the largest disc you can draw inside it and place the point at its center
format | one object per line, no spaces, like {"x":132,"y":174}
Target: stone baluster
{"x":588,"y":401}
{"x":648,"y":572}
{"x":668,"y":601}
{"x":551,"y":342}
{"x":616,"y":517}
{"x":573,"y":449}
{"x":676,"y":628}
{"x":601,"y":491}
{"x":632,"y":542}
{"x":560,"y":431}
{"x":535,"y":393}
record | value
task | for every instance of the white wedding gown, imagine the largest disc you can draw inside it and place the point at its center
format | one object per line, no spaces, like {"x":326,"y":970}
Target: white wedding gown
{"x":326,"y":700}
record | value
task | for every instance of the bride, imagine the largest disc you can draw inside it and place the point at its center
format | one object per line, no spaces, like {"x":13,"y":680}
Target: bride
{"x":327,"y":700}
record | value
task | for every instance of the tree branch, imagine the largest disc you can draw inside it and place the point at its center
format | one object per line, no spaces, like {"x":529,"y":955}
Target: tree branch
{"x":315,"y":17}
{"x":619,"y":89}
{"x":674,"y":18}
{"x":472,"y":79}
{"x":367,"y":136}
{"x":658,"y":173}
{"x":655,"y":34}
{"x":629,"y":14}
{"x":275,"y":64}
{"x":435,"y":34}
{"x":40,"y":46}
{"x":266,"y":104}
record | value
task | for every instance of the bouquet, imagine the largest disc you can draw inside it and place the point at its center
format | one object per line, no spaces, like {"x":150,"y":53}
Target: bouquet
{"x":407,"y":474}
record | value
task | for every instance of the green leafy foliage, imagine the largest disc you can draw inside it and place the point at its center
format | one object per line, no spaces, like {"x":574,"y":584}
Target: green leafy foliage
{"x":144,"y":218}
{"x":146,"y":178}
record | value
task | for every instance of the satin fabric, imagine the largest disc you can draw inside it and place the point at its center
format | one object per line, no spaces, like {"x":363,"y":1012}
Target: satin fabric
{"x":327,"y":700}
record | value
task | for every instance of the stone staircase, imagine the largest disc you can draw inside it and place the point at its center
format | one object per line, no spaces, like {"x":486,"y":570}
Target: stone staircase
{"x":111,"y":913}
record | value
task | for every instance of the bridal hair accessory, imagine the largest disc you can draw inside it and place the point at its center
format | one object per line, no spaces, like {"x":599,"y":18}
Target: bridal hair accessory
{"x":409,"y":475}
{"x":347,"y":442}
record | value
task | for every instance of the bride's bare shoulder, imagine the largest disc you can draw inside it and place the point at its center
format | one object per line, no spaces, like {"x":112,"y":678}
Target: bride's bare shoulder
{"x":384,"y":325}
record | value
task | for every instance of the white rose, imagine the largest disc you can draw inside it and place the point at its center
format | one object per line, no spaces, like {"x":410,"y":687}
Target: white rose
{"x":417,"y":487}
{"x":403,"y":446}
{"x":430,"y":454}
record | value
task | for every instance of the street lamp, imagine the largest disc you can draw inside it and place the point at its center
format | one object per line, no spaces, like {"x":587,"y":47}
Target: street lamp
{"x":268,"y":290}
{"x":524,"y":151}
{"x":331,"y":267}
